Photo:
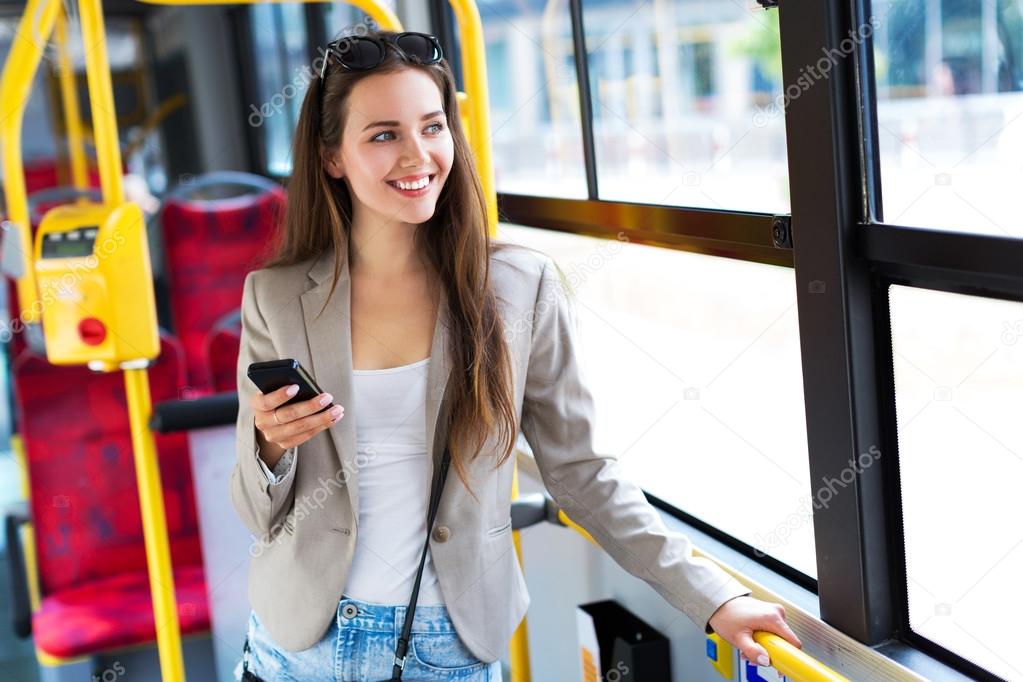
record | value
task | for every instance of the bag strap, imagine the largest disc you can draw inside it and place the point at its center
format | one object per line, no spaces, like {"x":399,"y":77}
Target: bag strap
{"x":406,"y":631}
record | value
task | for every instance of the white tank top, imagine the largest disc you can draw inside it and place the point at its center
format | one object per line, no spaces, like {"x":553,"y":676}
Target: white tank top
{"x":393,"y":487}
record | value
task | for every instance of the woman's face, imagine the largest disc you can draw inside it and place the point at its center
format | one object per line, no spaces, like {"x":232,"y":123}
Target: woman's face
{"x":395,"y":139}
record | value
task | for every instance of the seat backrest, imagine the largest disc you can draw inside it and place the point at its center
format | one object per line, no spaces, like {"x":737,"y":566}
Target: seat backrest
{"x":222,"y":346}
{"x":210,"y":246}
{"x":81,"y":469}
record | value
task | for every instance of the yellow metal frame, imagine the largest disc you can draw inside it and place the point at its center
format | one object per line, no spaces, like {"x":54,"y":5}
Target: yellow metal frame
{"x":786,"y":658}
{"x":72,"y":115}
{"x":789,"y":660}
{"x":33,"y":32}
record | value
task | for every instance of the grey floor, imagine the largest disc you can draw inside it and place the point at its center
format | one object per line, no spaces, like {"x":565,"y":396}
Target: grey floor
{"x":17,"y":659}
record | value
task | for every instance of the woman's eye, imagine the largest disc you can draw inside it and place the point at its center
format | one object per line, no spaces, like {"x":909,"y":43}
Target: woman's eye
{"x":438,"y":126}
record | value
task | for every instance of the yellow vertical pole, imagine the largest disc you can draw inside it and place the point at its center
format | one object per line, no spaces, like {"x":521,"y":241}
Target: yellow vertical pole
{"x":154,"y":527}
{"x":474,"y":66}
{"x":136,"y":380}
{"x":101,"y":99}
{"x":519,"y":646}
{"x":69,"y":99}
{"x":30,"y":38}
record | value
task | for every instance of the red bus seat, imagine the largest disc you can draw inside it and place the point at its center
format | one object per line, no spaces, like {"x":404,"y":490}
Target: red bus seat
{"x":90,"y":551}
{"x":210,"y":245}
{"x":222,"y":346}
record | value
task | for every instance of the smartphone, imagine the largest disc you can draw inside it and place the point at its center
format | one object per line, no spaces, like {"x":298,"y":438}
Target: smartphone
{"x":274,"y":374}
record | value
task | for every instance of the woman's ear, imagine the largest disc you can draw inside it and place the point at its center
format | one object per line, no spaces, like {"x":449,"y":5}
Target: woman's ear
{"x":332,"y":164}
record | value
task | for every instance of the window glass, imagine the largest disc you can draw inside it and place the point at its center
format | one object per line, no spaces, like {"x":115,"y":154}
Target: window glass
{"x":343,"y":19}
{"x":949,"y":80}
{"x":37,"y":134}
{"x":959,"y":395}
{"x":695,"y":369}
{"x":282,"y":74}
{"x":536,"y":135}
{"x":686,"y":103}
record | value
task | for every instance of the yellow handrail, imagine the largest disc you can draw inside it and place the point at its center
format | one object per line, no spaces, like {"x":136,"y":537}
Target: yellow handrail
{"x":101,"y":99}
{"x":795,"y":663}
{"x":72,"y":115}
{"x":26,"y":51}
{"x":786,"y":658}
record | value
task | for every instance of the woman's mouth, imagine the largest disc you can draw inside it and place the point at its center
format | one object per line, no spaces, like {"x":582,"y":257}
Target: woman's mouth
{"x":415,"y":188}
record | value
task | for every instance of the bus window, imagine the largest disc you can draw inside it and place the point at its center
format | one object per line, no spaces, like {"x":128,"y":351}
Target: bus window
{"x":694,"y":364}
{"x":950,"y":113}
{"x":958,"y":394}
{"x":534,"y":102}
{"x":686,"y":100}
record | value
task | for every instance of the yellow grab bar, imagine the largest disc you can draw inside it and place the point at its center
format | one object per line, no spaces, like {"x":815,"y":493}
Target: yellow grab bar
{"x":72,"y":115}
{"x":794,"y":663}
{"x":34,"y":29}
{"x":101,"y":98}
{"x":786,"y":658}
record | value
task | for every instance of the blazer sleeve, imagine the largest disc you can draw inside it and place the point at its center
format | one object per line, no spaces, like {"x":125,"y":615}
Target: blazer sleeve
{"x":558,"y":422}
{"x":261,"y":505}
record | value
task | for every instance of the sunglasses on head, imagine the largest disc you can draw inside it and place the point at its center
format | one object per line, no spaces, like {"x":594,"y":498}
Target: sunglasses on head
{"x":362,"y":53}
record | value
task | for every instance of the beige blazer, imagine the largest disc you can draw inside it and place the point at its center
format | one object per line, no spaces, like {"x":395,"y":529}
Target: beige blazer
{"x":304,"y":527}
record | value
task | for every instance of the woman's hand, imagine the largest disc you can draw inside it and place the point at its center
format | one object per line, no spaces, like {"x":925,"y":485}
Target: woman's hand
{"x":736,"y":619}
{"x":293,"y":424}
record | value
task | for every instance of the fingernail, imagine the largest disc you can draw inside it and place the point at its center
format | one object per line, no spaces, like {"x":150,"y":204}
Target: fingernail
{"x":336,"y":412}
{"x":764,"y":660}
{"x":325,"y":400}
{"x":293,"y":389}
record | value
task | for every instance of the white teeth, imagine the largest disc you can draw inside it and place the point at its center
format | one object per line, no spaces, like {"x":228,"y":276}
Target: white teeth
{"x":423,"y":182}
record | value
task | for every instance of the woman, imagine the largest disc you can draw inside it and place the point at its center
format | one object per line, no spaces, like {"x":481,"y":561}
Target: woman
{"x":389,"y":291}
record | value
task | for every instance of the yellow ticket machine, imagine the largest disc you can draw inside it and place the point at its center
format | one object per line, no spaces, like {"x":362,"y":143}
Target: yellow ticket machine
{"x":93,"y":275}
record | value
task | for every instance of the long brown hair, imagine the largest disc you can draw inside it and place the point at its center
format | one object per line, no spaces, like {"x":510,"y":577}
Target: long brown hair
{"x":455,"y":240}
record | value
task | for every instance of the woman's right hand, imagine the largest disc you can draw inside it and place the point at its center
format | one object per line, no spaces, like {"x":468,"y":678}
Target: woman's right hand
{"x":294,"y":424}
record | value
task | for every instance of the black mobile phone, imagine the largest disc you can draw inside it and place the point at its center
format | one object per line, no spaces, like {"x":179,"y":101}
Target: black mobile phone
{"x":274,"y":374}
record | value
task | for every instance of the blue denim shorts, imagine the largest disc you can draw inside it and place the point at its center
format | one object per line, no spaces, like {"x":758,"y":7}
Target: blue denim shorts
{"x":359,"y":647}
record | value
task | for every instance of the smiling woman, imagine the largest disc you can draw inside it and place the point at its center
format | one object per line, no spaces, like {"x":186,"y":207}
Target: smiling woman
{"x":387,"y":211}
{"x":378,"y":148}
{"x":385,"y":198}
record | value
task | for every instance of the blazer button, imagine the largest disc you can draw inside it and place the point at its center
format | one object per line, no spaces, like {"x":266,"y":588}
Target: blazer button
{"x":441,"y":533}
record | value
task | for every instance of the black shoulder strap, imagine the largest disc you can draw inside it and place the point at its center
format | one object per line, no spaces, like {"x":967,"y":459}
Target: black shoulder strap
{"x":440,"y":476}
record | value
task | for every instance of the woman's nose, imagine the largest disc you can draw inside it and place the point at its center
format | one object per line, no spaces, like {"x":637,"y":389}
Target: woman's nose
{"x":415,"y":152}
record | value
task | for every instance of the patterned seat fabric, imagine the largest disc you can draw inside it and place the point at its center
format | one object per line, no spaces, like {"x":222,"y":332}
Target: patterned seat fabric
{"x":85,"y":505}
{"x":222,"y":345}
{"x":115,"y":612}
{"x":210,"y":247}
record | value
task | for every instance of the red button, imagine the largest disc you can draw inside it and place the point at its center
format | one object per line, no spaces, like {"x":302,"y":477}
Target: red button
{"x":92,"y":331}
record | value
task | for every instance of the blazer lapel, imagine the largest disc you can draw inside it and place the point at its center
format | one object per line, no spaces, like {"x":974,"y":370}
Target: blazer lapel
{"x":330,"y":347}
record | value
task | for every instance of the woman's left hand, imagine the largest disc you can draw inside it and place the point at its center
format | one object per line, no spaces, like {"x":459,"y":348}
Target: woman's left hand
{"x":736,"y":619}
